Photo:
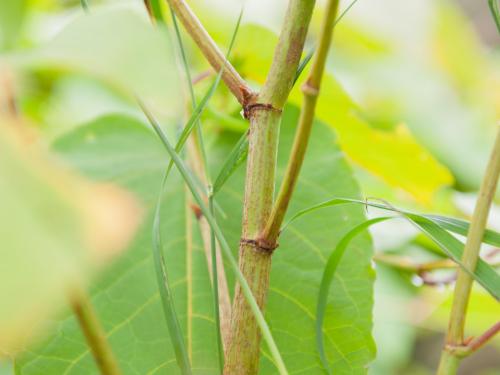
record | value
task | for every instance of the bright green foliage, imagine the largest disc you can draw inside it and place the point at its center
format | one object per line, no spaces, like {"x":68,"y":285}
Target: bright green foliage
{"x":55,"y":228}
{"x":41,"y":229}
{"x":112,"y":45}
{"x":122,"y":150}
{"x":11,"y":18}
{"x":394,"y":155}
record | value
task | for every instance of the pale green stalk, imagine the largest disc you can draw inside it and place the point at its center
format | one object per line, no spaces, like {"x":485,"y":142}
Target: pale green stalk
{"x":245,"y":287}
{"x":94,"y":334}
{"x":310,"y":90}
{"x":211,"y":51}
{"x":243,"y":354}
{"x":463,"y":287}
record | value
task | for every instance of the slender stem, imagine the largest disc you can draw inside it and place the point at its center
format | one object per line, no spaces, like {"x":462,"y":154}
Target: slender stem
{"x":310,"y":90}
{"x":478,"y":342}
{"x":242,"y":357}
{"x":211,"y":51}
{"x":471,"y":253}
{"x":407,"y":264}
{"x":94,"y":334}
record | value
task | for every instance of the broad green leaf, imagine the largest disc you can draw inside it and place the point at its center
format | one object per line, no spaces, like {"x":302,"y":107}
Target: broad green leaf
{"x":393,"y":155}
{"x":56,"y":229}
{"x":117,"y":45}
{"x":11,"y":19}
{"x":122,"y":150}
{"x":126,"y":298}
{"x":301,"y":258}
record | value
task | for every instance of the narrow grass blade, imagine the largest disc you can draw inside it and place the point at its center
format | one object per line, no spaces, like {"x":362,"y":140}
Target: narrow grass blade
{"x":303,"y":63}
{"x":462,"y":227}
{"x":326,"y":280}
{"x":85,"y":5}
{"x":155,"y":7}
{"x":484,"y":274}
{"x":215,"y":285}
{"x":310,"y":54}
{"x":234,"y":160}
{"x":189,"y":180}
{"x":195,"y":116}
{"x":176,"y":336}
{"x":495,"y":11}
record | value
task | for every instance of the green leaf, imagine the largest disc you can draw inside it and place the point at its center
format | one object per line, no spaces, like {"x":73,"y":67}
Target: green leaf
{"x":55,"y":232}
{"x":393,"y":155}
{"x":118,"y":46}
{"x":328,"y":274}
{"x":236,"y":157}
{"x":12,"y":14}
{"x":125,"y":151}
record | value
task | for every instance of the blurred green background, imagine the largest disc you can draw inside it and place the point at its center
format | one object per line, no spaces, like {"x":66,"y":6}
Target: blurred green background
{"x":424,"y":77}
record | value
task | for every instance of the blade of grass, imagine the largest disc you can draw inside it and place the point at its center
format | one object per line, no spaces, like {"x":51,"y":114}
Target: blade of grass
{"x":171,"y":318}
{"x":199,"y":134}
{"x":326,"y":280}
{"x":215,"y":283}
{"x":192,"y":123}
{"x":154,"y":7}
{"x":495,"y":11}
{"x":236,"y":157}
{"x":462,"y":227}
{"x":452,"y":247}
{"x":188,"y":178}
{"x":484,"y":274}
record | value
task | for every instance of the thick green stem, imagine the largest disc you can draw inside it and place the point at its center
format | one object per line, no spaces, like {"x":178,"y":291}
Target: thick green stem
{"x":455,"y":336}
{"x":211,"y":51}
{"x":310,"y":90}
{"x":94,"y":334}
{"x":255,"y":258}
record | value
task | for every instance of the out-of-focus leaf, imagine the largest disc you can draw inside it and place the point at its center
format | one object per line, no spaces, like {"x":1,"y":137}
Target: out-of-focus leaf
{"x":55,"y":228}
{"x":123,"y":150}
{"x":11,"y":19}
{"x":120,"y":47}
{"x":452,"y":34}
{"x":395,"y":156}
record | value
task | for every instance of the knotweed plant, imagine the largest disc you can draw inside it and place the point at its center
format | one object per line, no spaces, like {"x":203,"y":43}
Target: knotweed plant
{"x":257,"y":270}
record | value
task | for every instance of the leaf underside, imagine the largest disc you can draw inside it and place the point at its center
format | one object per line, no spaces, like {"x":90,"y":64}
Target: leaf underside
{"x":124,"y":151}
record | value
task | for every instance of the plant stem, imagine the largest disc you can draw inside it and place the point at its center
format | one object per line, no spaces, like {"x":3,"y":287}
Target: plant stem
{"x":470,"y":256}
{"x":407,"y":264}
{"x":255,"y":257}
{"x":94,"y":334}
{"x":212,"y":53}
{"x":310,"y":90}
